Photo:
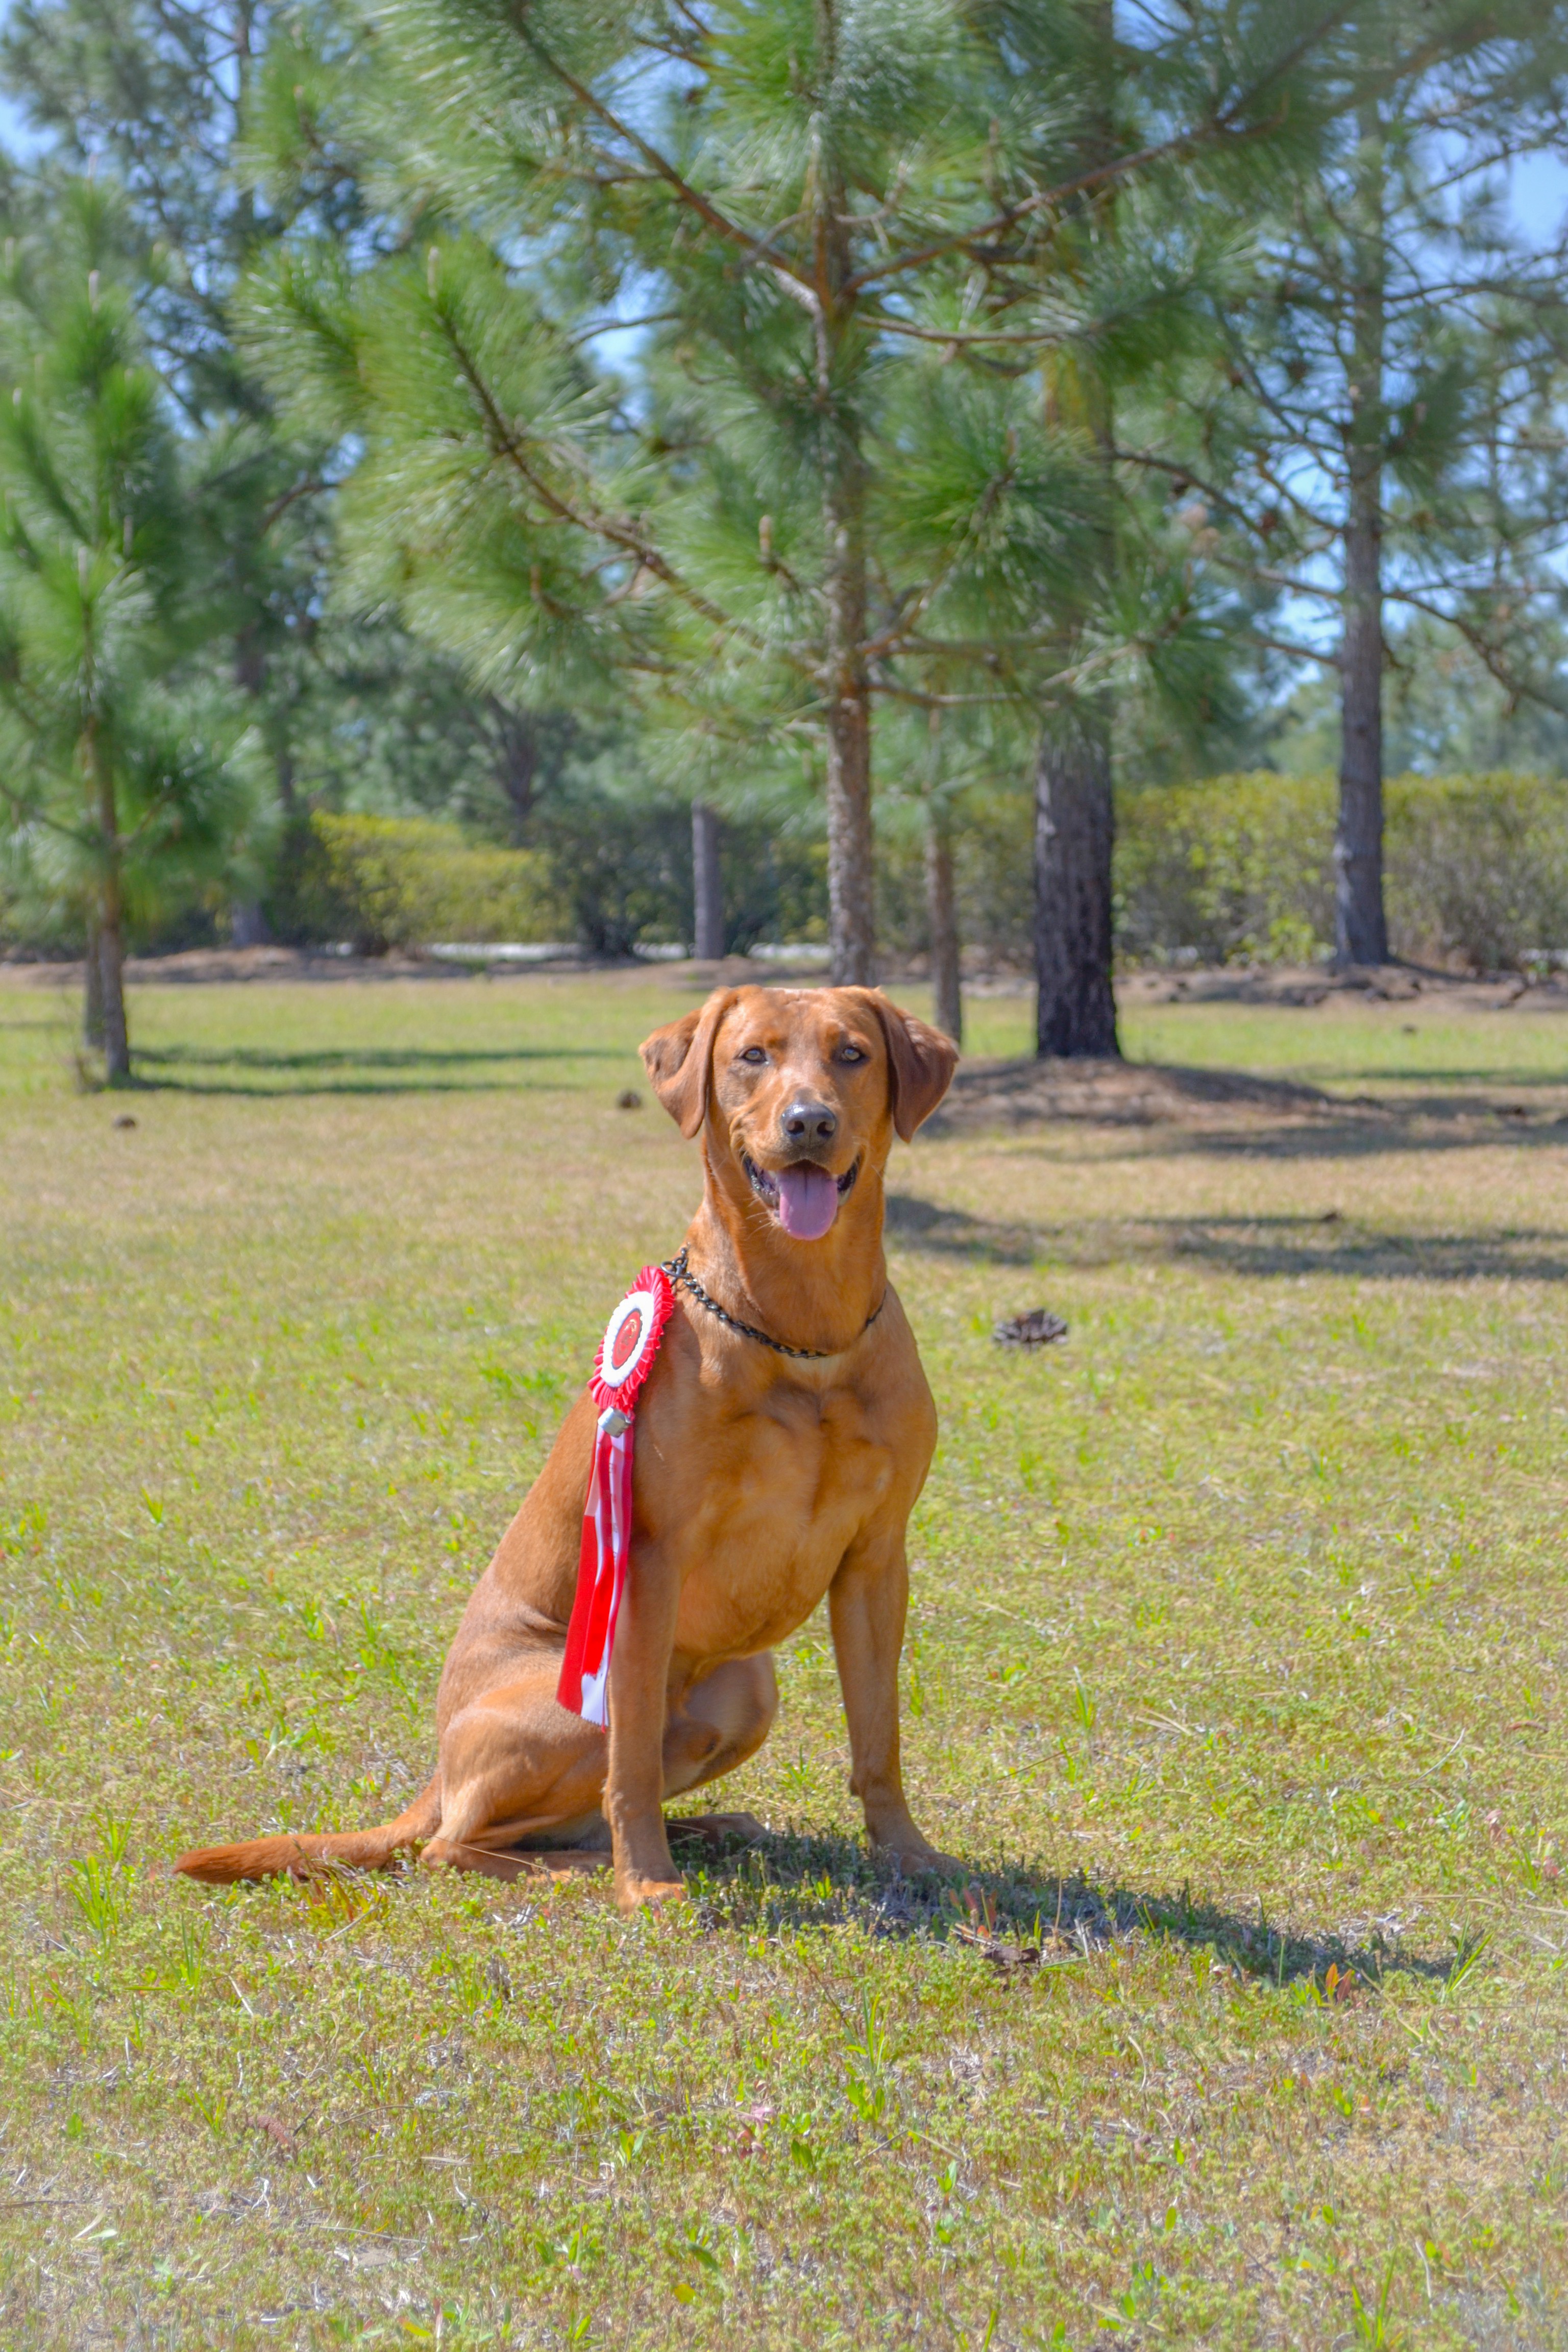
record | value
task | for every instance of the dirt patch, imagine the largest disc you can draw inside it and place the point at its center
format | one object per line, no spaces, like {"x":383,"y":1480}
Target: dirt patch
{"x":207,"y":966}
{"x":1307,"y":985}
{"x":202,"y":966}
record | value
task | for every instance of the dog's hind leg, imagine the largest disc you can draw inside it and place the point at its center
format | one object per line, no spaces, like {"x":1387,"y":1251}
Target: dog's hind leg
{"x":535,"y":1862}
{"x":722,"y":1720}
{"x":523,"y":1781}
{"x":516,"y":1769}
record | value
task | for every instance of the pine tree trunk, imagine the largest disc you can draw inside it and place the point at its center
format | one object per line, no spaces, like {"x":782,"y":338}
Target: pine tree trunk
{"x":850,"y":852}
{"x":247,"y":924}
{"x":112,"y":962}
{"x":1074,"y":836}
{"x":845,"y":682}
{"x":1075,"y":1013}
{"x":707,"y":883}
{"x":92,"y":991}
{"x":516,"y":762}
{"x":250,"y":676}
{"x":1361,"y":927}
{"x":941,"y":922}
{"x":851,"y":927}
{"x":110,"y":912}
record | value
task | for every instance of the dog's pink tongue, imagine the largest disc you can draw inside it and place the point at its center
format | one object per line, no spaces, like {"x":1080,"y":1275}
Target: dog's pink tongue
{"x":808,"y":1202}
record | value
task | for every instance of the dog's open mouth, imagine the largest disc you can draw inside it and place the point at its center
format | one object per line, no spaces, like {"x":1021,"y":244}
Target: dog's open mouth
{"x":804,"y":1199}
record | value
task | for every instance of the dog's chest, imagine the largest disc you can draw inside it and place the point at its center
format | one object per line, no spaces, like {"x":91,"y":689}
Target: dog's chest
{"x":788,"y":1488}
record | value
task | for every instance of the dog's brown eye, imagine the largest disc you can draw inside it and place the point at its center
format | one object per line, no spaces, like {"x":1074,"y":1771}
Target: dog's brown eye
{"x":754,"y":1054}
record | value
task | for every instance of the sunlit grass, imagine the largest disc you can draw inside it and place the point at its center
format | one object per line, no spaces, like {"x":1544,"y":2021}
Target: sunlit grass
{"x":1235,"y":1669}
{"x":1344,"y":1044}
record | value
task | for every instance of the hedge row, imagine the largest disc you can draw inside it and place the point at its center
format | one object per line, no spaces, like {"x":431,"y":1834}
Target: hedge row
{"x":385,"y":882}
{"x":1476,"y":869}
{"x":604,"y":873}
{"x":1237,"y":867}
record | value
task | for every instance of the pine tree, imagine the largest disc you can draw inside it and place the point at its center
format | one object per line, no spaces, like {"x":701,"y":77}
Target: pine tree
{"x":158,"y":96}
{"x":838,"y":486}
{"x":1385,"y":433}
{"x":118,"y":785}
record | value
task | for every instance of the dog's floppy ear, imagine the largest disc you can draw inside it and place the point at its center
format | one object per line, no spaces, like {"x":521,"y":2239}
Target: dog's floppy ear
{"x":679,"y":1061}
{"x":920,"y":1064}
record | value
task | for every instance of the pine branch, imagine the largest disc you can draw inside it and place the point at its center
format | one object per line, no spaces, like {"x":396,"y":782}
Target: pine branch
{"x":903,"y":631}
{"x":1295,"y":652}
{"x":1490,"y":655}
{"x":1111,"y":173}
{"x":620,"y":534}
{"x":799,"y":289}
{"x":30,"y":812}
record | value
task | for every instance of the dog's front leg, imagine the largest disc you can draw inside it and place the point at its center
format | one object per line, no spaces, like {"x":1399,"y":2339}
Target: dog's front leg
{"x":866,"y":1604}
{"x":639,"y":1697}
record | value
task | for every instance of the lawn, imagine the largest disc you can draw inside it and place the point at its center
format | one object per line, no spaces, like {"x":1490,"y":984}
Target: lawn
{"x":1235,"y":1673}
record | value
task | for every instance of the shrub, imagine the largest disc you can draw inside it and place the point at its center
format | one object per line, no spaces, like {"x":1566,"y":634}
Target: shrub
{"x":606,"y":870}
{"x":1477,"y":868}
{"x":388,"y":882}
{"x":1241,"y":867}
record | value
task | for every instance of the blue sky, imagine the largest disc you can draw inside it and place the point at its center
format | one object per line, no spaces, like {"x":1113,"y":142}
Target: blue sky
{"x":13,"y":130}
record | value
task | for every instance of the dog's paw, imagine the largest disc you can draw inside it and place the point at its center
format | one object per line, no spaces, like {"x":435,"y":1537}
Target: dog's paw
{"x":916,"y":1859}
{"x":633,"y":1891}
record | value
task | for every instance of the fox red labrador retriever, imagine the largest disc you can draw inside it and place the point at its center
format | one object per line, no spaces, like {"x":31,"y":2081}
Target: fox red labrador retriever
{"x":762,"y":1479}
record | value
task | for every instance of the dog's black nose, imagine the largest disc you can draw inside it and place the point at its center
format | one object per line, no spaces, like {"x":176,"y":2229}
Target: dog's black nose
{"x":807,"y":1121}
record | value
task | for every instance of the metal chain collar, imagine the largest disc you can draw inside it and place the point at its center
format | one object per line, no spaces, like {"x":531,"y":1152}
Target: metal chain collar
{"x":676,"y":1269}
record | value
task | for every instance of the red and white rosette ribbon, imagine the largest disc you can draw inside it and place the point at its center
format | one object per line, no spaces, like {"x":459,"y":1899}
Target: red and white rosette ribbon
{"x":624,"y":1361}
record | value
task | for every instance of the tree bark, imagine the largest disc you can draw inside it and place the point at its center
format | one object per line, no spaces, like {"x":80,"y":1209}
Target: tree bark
{"x":851,"y":924}
{"x":1074,"y":837}
{"x":1074,"y":1011}
{"x":1361,"y":927}
{"x":851,"y":920}
{"x":247,"y":924}
{"x":249,"y":661}
{"x":250,"y":676}
{"x":92,"y":991}
{"x":283,"y":759}
{"x":707,"y":884}
{"x":516,"y":762}
{"x":110,"y":912}
{"x":112,"y":961}
{"x":941,"y":922}
{"x":846,"y":680}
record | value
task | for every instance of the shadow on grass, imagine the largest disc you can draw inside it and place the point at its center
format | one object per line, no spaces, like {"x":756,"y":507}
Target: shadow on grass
{"x":953,"y":1233}
{"x":1293,"y":1245}
{"x":1015,"y":1918}
{"x":411,"y":1069}
{"x":1178,"y":1109}
{"x":1278,"y":1245}
{"x":1399,"y":1074}
{"x":1435,"y":1123}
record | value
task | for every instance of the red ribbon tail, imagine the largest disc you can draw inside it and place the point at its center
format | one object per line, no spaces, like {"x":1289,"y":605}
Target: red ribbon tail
{"x":584,"y":1685}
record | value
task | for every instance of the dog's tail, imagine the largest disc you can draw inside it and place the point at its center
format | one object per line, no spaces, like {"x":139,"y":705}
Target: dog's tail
{"x":304,"y":1853}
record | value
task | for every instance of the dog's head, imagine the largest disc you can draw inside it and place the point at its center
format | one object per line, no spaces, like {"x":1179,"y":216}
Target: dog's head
{"x":800,"y":1090}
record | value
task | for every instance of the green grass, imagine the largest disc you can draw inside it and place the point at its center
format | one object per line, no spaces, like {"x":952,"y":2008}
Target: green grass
{"x":1350,"y":1046}
{"x":1235,"y":1670}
